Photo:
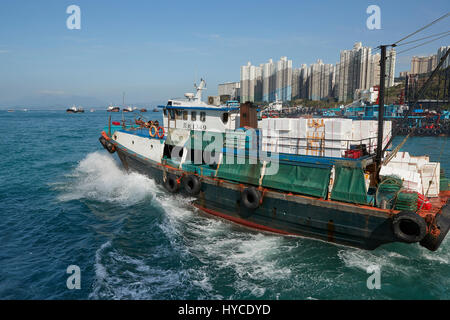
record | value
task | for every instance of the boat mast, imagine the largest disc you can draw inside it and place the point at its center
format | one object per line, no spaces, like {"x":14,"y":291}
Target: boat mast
{"x":379,"y":154}
{"x":123,"y":106}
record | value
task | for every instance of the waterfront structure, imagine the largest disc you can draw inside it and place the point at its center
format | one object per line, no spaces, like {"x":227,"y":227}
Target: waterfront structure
{"x":421,"y":65}
{"x":250,"y":82}
{"x":230,"y":90}
{"x":358,"y":69}
{"x":268,"y":82}
{"x":283,"y":78}
{"x":375,"y":70}
{"x":296,"y":86}
{"x":300,"y":82}
{"x":321,"y":81}
{"x":440,"y":53}
{"x":390,"y":67}
{"x":354,"y":71}
{"x":304,"y":75}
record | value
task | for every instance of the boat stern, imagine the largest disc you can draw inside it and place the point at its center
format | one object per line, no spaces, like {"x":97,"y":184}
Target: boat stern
{"x":438,"y":228}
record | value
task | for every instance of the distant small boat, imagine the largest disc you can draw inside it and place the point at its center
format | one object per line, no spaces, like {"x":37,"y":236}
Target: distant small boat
{"x":10,"y":110}
{"x":92,"y":110}
{"x":155,"y":110}
{"x":74,"y":109}
{"x":25,"y":110}
{"x":143,"y":110}
{"x":127,"y":109}
{"x":113,"y":109}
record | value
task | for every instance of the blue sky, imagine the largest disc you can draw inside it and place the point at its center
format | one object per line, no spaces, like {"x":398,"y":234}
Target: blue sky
{"x":154,"y":50}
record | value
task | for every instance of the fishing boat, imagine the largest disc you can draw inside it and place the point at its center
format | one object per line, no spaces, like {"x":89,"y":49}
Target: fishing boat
{"x":112,"y":109}
{"x":127,"y":109}
{"x":316,"y":178}
{"x":74,"y":109}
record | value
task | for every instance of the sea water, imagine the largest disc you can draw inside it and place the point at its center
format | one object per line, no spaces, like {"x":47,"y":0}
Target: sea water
{"x":65,"y":201}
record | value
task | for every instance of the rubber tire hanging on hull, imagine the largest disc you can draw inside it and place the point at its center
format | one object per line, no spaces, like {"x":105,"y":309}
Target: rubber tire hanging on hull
{"x":409,"y":227}
{"x":443,"y":223}
{"x":110,"y":147}
{"x":192,"y":185}
{"x":107,"y":145}
{"x":102,"y":141}
{"x":171,"y":184}
{"x":251,"y":198}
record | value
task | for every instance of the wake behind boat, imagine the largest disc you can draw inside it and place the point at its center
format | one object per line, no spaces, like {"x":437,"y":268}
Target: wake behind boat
{"x":303,"y":177}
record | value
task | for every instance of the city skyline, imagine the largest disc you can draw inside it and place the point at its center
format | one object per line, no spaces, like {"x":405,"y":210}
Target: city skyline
{"x":155,"y":51}
{"x":358,"y":69}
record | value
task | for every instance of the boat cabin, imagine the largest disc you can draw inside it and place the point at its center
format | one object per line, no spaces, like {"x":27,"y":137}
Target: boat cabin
{"x":201,"y":118}
{"x":194,"y":114}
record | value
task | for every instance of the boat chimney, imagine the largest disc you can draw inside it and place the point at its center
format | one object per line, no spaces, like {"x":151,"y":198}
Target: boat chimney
{"x":248,"y":115}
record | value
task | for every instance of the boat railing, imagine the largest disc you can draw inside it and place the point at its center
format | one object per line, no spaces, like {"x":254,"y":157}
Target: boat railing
{"x":315,"y":146}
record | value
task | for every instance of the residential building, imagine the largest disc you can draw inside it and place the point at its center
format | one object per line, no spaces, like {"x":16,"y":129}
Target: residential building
{"x":421,"y":65}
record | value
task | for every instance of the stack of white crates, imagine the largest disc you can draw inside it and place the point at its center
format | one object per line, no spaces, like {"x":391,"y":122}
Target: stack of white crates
{"x":328,"y":137}
{"x":417,"y":173}
{"x":366,"y":131}
{"x":235,"y":139}
{"x":315,"y":137}
{"x":338,"y":136}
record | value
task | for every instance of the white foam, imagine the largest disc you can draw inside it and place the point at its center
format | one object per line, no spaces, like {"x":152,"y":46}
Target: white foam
{"x":98,"y":177}
{"x":386,"y":261}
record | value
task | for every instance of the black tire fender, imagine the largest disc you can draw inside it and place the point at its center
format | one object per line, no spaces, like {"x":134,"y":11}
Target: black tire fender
{"x":409,"y":227}
{"x":251,"y":198}
{"x":192,"y":185}
{"x":110,"y":147}
{"x":102,"y":141}
{"x":443,"y":224}
{"x":171,"y":183}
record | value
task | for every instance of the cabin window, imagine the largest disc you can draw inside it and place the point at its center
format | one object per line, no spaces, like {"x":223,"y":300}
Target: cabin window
{"x":202,"y":116}
{"x":225,"y":118}
{"x":193,"y":116}
{"x":169,"y":103}
{"x":165,"y":112}
{"x":178,"y":114}
{"x":171,"y":114}
{"x":185,"y":115}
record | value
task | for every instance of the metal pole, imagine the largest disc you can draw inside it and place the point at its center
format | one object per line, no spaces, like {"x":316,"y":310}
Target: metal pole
{"x":379,"y":154}
{"x":406,"y":89}
{"x":109,"y":126}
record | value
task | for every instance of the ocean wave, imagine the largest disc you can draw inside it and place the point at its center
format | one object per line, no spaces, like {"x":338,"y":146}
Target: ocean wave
{"x":98,"y":177}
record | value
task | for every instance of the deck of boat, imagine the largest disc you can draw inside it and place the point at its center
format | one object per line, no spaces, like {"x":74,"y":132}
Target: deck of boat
{"x":437,"y":203}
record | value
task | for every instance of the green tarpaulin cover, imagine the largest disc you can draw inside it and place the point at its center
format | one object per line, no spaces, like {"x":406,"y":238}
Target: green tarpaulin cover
{"x":300,"y":179}
{"x":349,"y":185}
{"x":245,"y":173}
